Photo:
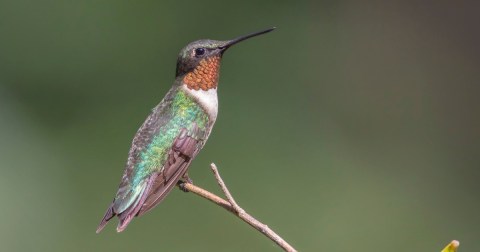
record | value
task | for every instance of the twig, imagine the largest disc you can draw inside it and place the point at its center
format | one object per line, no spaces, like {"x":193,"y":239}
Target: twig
{"x":234,"y":208}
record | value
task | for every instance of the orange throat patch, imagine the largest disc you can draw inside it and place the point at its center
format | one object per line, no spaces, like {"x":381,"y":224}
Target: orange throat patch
{"x":205,"y":75}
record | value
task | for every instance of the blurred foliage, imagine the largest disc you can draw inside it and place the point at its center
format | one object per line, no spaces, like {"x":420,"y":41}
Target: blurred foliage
{"x":339,"y":130}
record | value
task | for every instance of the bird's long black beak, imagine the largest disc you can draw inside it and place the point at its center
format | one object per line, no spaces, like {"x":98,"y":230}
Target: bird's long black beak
{"x":242,"y":38}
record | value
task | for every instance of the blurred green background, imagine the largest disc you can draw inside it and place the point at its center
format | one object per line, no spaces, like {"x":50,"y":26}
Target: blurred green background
{"x":354,"y":126}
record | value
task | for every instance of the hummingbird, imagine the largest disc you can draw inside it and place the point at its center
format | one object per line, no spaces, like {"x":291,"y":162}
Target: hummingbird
{"x":174,"y":132}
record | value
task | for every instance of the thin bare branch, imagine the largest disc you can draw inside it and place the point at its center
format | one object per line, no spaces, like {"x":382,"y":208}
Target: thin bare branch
{"x":231,"y":205}
{"x":225,"y":190}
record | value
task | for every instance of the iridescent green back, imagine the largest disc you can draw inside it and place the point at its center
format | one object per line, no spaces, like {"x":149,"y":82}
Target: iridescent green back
{"x":154,"y":140}
{"x":184,"y":112}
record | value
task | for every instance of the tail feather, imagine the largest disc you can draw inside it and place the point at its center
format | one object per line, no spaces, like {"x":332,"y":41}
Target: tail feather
{"x":108,"y":215}
{"x":123,"y":223}
{"x":127,"y":216}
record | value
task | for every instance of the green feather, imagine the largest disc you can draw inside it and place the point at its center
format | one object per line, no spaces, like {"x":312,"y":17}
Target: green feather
{"x":183,"y":112}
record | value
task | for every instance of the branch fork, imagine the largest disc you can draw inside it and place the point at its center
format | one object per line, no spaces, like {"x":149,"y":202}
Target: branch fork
{"x":231,"y":205}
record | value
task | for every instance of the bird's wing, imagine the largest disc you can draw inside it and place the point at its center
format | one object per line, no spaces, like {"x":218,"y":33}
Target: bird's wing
{"x":184,"y":149}
{"x":134,"y":180}
{"x":156,"y":187}
{"x":139,"y":191}
{"x":128,"y":195}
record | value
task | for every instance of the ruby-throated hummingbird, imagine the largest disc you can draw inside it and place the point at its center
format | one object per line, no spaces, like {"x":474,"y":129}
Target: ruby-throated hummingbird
{"x":173,"y":134}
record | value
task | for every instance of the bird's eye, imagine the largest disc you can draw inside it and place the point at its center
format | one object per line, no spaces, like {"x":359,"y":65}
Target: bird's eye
{"x":199,"y":51}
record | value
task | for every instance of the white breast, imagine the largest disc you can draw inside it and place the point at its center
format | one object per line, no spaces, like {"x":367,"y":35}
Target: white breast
{"x":207,"y":99}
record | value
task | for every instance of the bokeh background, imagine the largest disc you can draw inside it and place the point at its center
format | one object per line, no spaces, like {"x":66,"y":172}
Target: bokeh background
{"x":354,"y":126}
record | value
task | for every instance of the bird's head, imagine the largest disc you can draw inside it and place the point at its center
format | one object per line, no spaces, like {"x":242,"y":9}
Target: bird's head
{"x":198,"y":63}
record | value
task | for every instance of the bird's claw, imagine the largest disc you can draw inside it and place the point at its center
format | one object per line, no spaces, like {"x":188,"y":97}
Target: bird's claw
{"x":185,"y":179}
{"x":181,"y":185}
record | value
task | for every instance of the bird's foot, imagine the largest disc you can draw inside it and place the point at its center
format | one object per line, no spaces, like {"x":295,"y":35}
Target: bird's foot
{"x":181,"y":185}
{"x":185,"y":179}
